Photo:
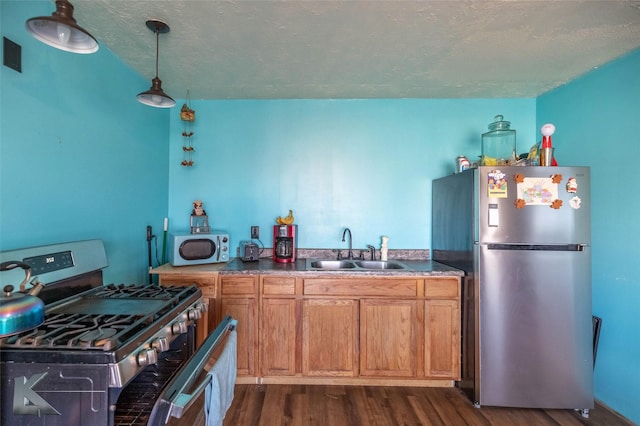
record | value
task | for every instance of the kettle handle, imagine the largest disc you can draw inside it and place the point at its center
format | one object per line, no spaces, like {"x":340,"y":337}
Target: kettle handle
{"x":12,"y":264}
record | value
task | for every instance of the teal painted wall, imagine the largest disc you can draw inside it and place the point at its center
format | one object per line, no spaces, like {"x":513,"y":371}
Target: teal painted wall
{"x":80,"y":158}
{"x":362,"y":164}
{"x":598,"y":124}
{"x":75,"y":166}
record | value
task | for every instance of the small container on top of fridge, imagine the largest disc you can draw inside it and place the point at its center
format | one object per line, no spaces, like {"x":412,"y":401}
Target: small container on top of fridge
{"x":499,"y":144}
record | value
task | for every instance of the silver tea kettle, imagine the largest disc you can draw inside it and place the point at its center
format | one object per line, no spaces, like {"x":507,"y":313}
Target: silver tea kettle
{"x":22,"y":310}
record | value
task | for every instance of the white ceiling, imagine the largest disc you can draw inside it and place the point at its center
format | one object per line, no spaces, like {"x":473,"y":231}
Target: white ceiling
{"x":363,"y":49}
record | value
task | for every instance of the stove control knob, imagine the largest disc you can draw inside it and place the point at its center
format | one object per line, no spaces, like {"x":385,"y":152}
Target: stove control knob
{"x":194,"y":314}
{"x":146,"y":357}
{"x":161,"y":344}
{"x":178,"y":327}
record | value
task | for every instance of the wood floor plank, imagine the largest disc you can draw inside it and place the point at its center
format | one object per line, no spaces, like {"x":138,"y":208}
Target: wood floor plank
{"x":442,"y":404}
{"x":315,"y":405}
{"x":297,"y":409}
{"x":424,"y":411}
{"x":465,"y":408}
{"x":378,"y":405}
{"x":246,"y":406}
{"x":273,"y":407}
{"x":516,"y":416}
{"x":359,"y":401}
{"x":402,"y":411}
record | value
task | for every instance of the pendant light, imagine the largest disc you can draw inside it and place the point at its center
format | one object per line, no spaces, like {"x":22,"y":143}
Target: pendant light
{"x":60,"y":30}
{"x":155,"y":97}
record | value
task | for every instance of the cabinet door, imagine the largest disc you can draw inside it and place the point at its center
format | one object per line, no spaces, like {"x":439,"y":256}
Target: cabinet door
{"x":442,"y":339}
{"x":207,"y":284}
{"x":245,"y":311}
{"x":330,"y":337}
{"x":278,"y":337}
{"x":239,"y":299}
{"x":388,"y":338}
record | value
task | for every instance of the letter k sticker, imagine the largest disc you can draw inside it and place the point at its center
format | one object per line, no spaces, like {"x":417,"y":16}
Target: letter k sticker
{"x":26,"y":400}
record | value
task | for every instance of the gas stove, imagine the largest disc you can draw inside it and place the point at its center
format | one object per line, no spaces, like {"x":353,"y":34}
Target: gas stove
{"x":125,"y":326}
{"x":95,"y":340}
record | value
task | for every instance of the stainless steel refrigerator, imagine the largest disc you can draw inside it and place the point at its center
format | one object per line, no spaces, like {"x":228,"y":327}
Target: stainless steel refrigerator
{"x":522,"y":235}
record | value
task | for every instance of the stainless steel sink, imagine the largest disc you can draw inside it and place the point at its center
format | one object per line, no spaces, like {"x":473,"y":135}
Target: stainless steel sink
{"x":317,"y":264}
{"x":380,"y":264}
{"x":331,"y":264}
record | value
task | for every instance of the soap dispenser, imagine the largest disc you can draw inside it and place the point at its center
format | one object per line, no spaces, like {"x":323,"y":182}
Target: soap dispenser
{"x":384,"y":248}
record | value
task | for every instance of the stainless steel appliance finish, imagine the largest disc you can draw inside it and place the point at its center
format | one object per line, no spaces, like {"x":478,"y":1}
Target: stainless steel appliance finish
{"x":249,"y":251}
{"x":527,"y":323}
{"x":105,"y":353}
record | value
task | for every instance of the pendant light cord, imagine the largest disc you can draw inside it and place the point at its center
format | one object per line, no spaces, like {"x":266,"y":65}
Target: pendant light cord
{"x":157,"y":49}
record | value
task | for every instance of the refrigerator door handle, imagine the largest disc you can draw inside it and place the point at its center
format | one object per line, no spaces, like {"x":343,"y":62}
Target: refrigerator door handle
{"x":538,"y":247}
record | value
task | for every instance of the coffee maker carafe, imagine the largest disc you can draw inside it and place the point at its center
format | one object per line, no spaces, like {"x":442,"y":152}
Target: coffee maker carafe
{"x":284,"y":243}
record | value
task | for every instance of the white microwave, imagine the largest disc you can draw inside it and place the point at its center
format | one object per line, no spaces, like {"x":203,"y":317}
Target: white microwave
{"x":197,"y":249}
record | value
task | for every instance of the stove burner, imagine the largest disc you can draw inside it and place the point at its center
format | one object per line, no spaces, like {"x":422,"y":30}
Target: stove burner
{"x":99,"y":337}
{"x":105,"y":318}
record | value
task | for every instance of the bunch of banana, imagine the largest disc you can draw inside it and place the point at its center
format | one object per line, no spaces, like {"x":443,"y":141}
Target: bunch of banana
{"x":288,"y":220}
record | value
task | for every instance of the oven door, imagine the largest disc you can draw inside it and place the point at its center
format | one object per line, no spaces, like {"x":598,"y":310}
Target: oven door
{"x":183,"y":400}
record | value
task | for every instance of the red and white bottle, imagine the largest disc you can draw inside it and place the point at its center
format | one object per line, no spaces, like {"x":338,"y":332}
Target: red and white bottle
{"x":546,"y":149}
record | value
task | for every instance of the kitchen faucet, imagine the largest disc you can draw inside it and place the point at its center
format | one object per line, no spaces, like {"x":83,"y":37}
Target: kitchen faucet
{"x":372,"y":251}
{"x":350,"y":253}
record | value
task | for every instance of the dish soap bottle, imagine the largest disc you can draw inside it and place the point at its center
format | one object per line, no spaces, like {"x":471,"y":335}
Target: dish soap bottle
{"x":498,"y":144}
{"x":384,"y":248}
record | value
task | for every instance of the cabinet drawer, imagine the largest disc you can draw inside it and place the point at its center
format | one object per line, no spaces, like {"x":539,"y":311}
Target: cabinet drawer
{"x":407,"y":287}
{"x":238,"y":285}
{"x":442,"y":287}
{"x":278,"y":285}
{"x":207,"y":281}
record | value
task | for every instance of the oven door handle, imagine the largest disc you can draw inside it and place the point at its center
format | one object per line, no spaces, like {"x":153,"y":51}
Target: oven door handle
{"x":184,"y":401}
{"x":183,"y":392}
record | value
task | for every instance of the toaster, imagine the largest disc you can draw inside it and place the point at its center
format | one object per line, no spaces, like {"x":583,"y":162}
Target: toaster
{"x":249,"y":251}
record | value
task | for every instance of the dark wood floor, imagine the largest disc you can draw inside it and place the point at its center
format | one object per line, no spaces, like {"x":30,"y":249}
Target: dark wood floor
{"x":372,"y":405}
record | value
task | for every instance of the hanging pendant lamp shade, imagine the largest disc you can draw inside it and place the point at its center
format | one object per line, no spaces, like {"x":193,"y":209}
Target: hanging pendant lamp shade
{"x":155,"y":96}
{"x":60,"y":30}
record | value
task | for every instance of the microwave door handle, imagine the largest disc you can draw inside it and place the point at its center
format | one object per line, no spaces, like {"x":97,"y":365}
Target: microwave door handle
{"x":218,"y":246}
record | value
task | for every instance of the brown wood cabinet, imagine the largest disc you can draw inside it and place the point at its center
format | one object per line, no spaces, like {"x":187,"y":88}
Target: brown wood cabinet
{"x":239,"y":298}
{"x":296,"y":328}
{"x":409,"y":327}
{"x":389,"y":338}
{"x":278,"y":321}
{"x":207,"y":281}
{"x":235,"y":295}
{"x":330,"y":337}
{"x":442,"y":328}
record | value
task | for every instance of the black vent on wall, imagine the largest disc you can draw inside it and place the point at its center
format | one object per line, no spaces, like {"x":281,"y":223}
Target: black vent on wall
{"x":12,"y":54}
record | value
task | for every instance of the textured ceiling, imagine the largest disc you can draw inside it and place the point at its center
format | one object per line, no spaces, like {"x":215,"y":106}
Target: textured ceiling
{"x":363,"y":49}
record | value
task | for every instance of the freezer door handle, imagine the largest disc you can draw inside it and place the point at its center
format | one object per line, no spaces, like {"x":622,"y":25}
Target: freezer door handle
{"x":538,"y":247}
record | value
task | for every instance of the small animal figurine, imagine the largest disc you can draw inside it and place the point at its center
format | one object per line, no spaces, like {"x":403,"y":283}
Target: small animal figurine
{"x":197,"y":208}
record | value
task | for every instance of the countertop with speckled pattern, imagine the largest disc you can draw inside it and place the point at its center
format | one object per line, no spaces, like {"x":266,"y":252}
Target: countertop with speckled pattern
{"x":266,"y":266}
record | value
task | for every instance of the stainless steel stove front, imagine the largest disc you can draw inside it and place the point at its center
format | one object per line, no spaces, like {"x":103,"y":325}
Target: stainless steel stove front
{"x":95,"y":343}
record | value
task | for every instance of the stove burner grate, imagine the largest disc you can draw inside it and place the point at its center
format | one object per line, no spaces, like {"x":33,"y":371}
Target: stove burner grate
{"x":103,"y":318}
{"x":79,"y":331}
